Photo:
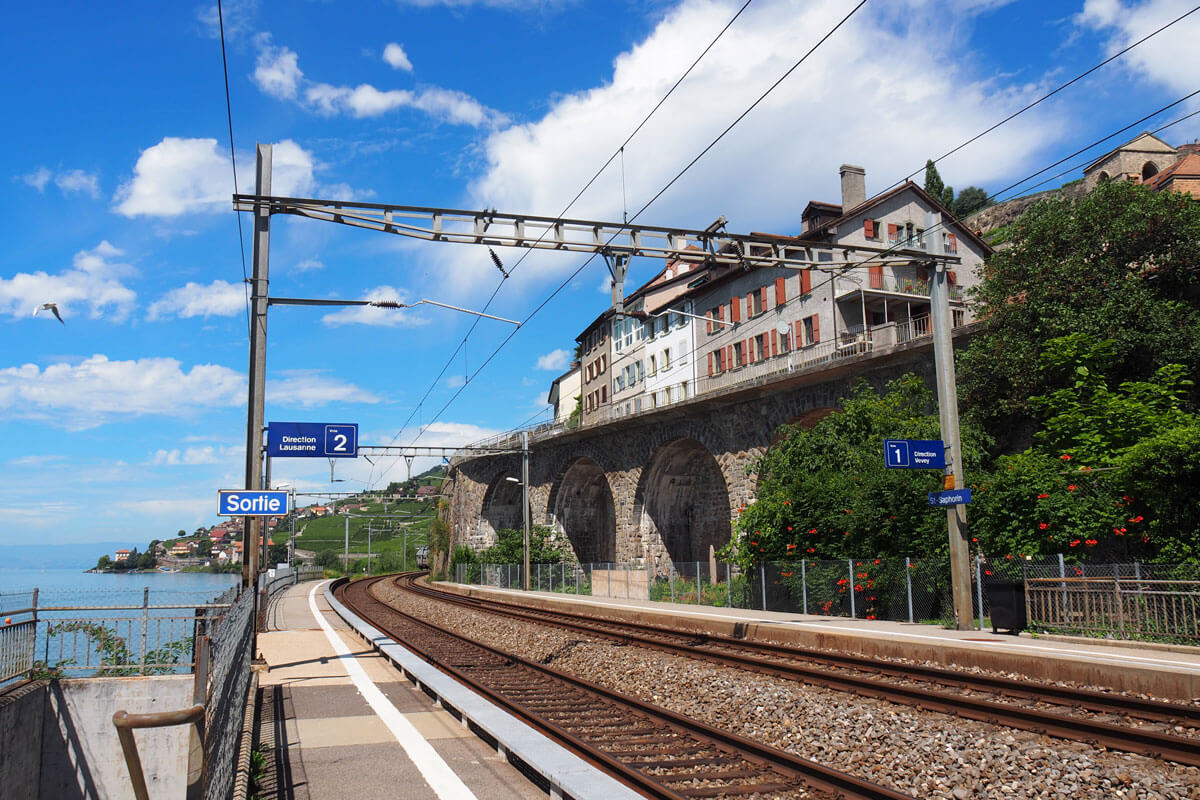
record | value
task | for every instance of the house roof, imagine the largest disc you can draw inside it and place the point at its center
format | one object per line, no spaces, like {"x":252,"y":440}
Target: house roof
{"x":879,"y":198}
{"x":1161,"y":148}
{"x":1188,"y":166}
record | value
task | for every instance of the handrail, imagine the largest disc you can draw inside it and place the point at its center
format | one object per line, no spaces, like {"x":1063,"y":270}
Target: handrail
{"x":126,"y":723}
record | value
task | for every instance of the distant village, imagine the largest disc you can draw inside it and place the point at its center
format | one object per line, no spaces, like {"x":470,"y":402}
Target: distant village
{"x":219,"y":548}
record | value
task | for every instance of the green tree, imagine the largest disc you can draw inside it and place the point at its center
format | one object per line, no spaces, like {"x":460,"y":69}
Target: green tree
{"x":1119,"y":264}
{"x":825,"y":492}
{"x":933,"y":181}
{"x":104,"y":563}
{"x":544,"y":547}
{"x":970,"y":200}
{"x":327,"y":559}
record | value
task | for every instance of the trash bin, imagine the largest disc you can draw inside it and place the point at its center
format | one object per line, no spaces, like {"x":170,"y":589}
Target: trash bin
{"x":1006,"y":599}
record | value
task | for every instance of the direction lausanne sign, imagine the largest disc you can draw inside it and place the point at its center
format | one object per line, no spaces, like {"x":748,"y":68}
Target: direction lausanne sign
{"x":914,"y":453}
{"x":312,"y":440}
{"x":251,"y":503}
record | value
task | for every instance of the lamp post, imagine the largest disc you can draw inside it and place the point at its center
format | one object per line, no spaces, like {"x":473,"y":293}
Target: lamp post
{"x":524,"y":484}
{"x":291,"y":541}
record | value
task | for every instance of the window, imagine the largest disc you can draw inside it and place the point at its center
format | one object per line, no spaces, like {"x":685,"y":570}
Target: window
{"x":716,"y":318}
{"x":683,"y":391}
{"x":604,"y":394}
{"x":754,"y":305}
{"x":739,"y":356}
{"x":893,"y":233}
{"x":812,"y":330}
{"x":949,"y":243}
{"x":785,"y":341}
{"x":666,"y":358}
{"x":619,"y":383}
{"x":641,"y":371}
{"x":681,"y":348}
{"x":654,"y":366}
{"x":871,"y":228}
{"x":959,"y":317}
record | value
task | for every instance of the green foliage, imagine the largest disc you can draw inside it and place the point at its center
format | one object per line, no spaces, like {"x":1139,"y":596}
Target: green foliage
{"x":327,"y":559}
{"x":933,"y":181}
{"x":115,"y":655}
{"x":104,"y":562}
{"x":1119,"y":264}
{"x":970,"y":200}
{"x":509,"y":548}
{"x":825,"y":492}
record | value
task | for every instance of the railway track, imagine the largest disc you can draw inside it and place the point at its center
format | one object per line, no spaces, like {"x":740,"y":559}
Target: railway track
{"x":926,"y":688}
{"x":657,"y":752}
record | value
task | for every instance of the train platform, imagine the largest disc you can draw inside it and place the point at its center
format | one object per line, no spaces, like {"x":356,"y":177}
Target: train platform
{"x":336,"y":718}
{"x":1168,"y":672}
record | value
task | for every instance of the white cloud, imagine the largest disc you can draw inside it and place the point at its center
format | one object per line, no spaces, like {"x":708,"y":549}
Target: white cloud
{"x":184,"y":176}
{"x":555,"y":360}
{"x":381,"y":317}
{"x":73,"y":180}
{"x":191,"y":456}
{"x":219,"y":299}
{"x":455,"y":381}
{"x":887,"y":91}
{"x":94,"y":280}
{"x":37,"y":179}
{"x":308,"y":264}
{"x":98,"y":390}
{"x":238,"y":18}
{"x":309,"y":388}
{"x":76,"y":180}
{"x":1171,"y":59}
{"x":278,"y":74}
{"x":395,"y":56}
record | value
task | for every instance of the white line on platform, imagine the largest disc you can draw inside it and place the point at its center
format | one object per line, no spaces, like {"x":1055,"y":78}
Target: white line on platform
{"x":444,"y":782}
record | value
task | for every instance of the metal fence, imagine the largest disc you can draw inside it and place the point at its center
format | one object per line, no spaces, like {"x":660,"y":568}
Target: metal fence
{"x":225,"y":659}
{"x":1120,"y":600}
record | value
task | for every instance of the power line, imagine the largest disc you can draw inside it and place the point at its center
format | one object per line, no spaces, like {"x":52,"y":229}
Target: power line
{"x":1047,"y":96}
{"x":592,"y":180}
{"x":657,"y":195}
{"x":233,"y":161}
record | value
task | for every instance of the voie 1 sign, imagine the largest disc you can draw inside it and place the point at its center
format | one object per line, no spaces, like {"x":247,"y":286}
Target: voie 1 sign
{"x":914,"y":453}
{"x":312,"y":440}
{"x":251,"y":503}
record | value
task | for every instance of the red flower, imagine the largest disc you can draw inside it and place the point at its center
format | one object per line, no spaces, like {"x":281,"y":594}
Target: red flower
{"x":787,"y":574}
{"x":1075,"y":543}
{"x":1138,"y":518}
{"x":791,"y":547}
{"x":1118,"y":531}
{"x":1065,"y":456}
{"x":789,"y":527}
{"x":812,"y":550}
{"x":1043,"y":525}
{"x":1071,"y":488}
{"x":877,"y":561}
{"x":858,"y":587}
{"x":787,"y":502}
{"x":814,"y":530}
{"x":870,"y":616}
{"x":1091,"y":542}
{"x":987,"y":572}
{"x":1042,"y":496}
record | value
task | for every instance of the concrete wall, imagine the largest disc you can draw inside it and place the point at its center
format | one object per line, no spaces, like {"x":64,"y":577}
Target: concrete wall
{"x":21,"y":712}
{"x":81,"y":754}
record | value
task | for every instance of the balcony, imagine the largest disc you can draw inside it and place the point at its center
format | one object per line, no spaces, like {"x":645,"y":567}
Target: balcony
{"x":904,"y":281}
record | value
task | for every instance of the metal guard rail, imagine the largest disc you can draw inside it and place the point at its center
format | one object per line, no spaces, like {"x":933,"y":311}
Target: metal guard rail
{"x":127,"y":723}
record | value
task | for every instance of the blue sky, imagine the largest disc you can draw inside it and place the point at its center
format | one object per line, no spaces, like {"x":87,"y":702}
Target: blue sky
{"x":122,"y":423}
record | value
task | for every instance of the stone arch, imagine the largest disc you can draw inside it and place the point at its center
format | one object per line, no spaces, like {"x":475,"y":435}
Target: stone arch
{"x":681,"y":504}
{"x":583,"y":510}
{"x":501,"y":506}
{"x":1103,"y":177}
{"x":1149,"y":170}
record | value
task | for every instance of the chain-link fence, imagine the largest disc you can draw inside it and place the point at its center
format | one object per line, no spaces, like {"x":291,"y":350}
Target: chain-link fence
{"x":229,"y":639}
{"x":907,"y":589}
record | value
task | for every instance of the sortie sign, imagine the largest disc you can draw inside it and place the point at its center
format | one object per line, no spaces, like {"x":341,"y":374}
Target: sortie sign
{"x":250,"y":503}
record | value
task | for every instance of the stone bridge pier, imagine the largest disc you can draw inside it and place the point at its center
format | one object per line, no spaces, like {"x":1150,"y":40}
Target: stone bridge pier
{"x":660,"y":486}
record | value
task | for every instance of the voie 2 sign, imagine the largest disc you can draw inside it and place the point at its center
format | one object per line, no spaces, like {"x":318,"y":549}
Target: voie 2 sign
{"x":312,"y":440}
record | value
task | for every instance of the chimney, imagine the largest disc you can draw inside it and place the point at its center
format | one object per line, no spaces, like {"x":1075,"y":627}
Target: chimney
{"x":854,"y":186}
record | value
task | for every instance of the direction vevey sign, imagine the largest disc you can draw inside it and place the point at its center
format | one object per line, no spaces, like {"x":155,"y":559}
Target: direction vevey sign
{"x":914,"y":453}
{"x":312,"y":440}
{"x":251,"y":503}
{"x":950,"y":497}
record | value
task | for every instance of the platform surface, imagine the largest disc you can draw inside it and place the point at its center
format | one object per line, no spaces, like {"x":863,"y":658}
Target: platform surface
{"x":1168,"y":672}
{"x":346,"y":723}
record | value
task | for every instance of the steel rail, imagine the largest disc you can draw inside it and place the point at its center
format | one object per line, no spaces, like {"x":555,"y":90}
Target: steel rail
{"x":786,"y":765}
{"x":1184,"y":750}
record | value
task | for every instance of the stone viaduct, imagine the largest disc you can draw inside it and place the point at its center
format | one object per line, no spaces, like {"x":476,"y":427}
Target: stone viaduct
{"x":665,"y":484}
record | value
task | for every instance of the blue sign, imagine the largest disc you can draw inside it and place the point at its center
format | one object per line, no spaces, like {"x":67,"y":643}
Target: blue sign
{"x":951,"y":497}
{"x":251,"y":503}
{"x":914,"y":453}
{"x":312,"y":440}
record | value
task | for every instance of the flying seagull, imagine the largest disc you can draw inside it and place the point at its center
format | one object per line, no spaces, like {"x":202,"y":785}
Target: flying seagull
{"x":52,"y":308}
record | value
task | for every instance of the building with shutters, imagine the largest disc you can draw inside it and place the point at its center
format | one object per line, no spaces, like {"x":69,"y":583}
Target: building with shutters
{"x":697,"y":328}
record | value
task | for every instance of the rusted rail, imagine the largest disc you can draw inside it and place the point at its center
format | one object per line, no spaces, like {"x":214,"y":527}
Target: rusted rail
{"x":127,"y":723}
{"x":657,"y":752}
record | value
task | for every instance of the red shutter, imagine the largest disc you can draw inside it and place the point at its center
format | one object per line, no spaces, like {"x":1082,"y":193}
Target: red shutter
{"x":735,"y":309}
{"x":749,"y":305}
{"x":799,"y":335}
{"x":720,"y":316}
{"x":710,"y":368}
{"x":805,"y":281}
{"x":774,"y":342}
{"x":765,"y":305}
{"x":816,"y":328}
{"x":729,"y":357}
{"x":708,"y":316}
{"x":951,"y":277}
{"x":876,"y":277}
{"x":780,"y":291}
{"x":953,"y":243}
{"x":893,"y":232}
{"x":869,"y":228}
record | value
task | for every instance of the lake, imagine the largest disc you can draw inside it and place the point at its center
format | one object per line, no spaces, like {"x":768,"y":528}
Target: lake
{"x":63,"y":587}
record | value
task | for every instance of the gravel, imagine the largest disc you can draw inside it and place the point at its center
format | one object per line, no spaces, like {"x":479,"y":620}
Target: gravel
{"x":925,"y":754}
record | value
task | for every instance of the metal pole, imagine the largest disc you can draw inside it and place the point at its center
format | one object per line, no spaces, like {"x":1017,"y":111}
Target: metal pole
{"x":292,"y":541}
{"x":258,"y":360}
{"x":908,"y":584}
{"x":762,"y":574}
{"x":368,"y":548}
{"x":804,"y":584}
{"x":346,"y":556}
{"x":145,"y":624}
{"x":525,"y":502}
{"x":943,"y":356}
{"x":979,"y":586}
{"x":853,"y":610}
